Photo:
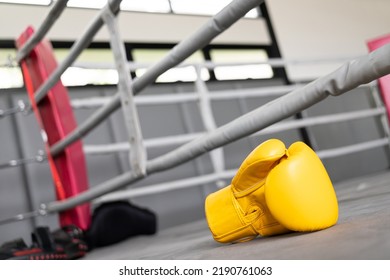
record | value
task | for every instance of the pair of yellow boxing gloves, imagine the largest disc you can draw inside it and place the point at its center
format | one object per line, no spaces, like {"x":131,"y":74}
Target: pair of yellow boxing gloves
{"x":275,"y":190}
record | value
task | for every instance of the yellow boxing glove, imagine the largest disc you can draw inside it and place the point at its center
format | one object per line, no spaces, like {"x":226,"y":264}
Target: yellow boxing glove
{"x":274,"y":191}
{"x":299,"y":192}
{"x":239,"y":211}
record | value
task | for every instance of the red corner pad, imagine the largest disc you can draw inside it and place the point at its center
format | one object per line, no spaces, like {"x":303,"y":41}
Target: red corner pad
{"x":55,"y":115}
{"x":383,"y":82}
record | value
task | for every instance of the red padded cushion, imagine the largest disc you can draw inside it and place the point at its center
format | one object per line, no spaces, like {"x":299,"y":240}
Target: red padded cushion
{"x":383,"y":82}
{"x":55,"y":115}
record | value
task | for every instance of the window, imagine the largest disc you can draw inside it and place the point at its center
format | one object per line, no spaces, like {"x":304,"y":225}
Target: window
{"x":189,"y":7}
{"x":95,"y":4}
{"x":240,"y":72}
{"x":204,"y":7}
{"x":10,"y":77}
{"x":100,"y":66}
{"x":184,"y":74}
{"x":30,"y":2}
{"x":77,"y":76}
{"x":151,"y":6}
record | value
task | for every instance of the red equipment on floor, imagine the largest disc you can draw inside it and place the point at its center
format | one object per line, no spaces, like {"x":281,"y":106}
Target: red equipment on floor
{"x":383,"y":82}
{"x":55,"y":116}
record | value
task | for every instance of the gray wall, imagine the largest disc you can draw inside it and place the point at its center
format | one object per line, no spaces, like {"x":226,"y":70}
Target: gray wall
{"x":326,"y":29}
{"x":25,"y":187}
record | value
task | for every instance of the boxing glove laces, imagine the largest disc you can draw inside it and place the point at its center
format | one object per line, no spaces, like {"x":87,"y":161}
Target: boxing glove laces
{"x":275,"y":190}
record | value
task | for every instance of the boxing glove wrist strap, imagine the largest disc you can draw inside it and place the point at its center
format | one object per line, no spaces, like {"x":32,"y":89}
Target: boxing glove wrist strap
{"x":228,"y":222}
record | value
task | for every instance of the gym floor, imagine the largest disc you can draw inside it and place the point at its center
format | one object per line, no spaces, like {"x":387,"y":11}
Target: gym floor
{"x":362,"y":232}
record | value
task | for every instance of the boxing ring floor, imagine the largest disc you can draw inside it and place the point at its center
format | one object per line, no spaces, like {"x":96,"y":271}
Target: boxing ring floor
{"x":362,"y":233}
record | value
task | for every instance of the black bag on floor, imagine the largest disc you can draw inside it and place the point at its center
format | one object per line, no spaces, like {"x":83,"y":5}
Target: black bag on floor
{"x":113,"y":222}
